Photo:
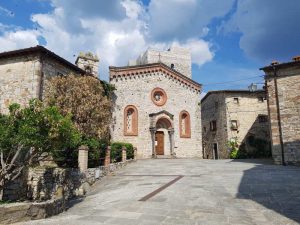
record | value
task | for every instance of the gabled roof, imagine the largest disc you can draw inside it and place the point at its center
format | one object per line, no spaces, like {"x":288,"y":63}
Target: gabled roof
{"x":125,"y":71}
{"x":40,"y":50}
{"x":232,"y":92}
{"x":280,"y":66}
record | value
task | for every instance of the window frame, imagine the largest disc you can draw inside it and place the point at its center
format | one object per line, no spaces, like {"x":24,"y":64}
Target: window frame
{"x":134,"y":131}
{"x":187,"y":125}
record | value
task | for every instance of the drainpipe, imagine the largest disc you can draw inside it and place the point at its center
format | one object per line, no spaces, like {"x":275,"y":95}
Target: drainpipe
{"x":278,"y":116}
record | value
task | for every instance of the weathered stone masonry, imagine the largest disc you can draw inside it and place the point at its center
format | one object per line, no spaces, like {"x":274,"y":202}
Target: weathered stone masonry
{"x":24,"y":74}
{"x":237,"y":114}
{"x":283,"y":90}
{"x":134,"y":87}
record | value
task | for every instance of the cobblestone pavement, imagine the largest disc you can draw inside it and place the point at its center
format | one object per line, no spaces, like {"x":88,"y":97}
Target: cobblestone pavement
{"x":209,"y":192}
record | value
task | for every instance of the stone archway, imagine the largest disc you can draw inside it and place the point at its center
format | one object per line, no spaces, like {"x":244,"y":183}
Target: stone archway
{"x":162,"y":120}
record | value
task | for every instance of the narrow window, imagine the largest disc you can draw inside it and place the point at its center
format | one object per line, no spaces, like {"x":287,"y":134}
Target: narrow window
{"x":185,"y":124}
{"x":130,"y":121}
{"x":204,"y":129}
{"x":172,"y":66}
{"x":234,"y":125}
{"x":213,"y":125}
{"x":88,"y":69}
{"x":216,"y":105}
{"x":260,"y":99}
{"x":236,"y":100}
{"x":262,"y":118}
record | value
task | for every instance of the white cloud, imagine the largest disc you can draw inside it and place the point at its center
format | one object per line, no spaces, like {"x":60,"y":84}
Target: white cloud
{"x":268,"y":28}
{"x":18,"y":39}
{"x":117,"y":30}
{"x":6,"y":12}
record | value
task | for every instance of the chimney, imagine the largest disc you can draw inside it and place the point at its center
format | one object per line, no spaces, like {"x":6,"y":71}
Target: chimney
{"x":296,"y":58}
{"x":274,"y":62}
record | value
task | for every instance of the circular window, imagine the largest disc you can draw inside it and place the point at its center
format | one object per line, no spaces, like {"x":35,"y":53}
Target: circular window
{"x":159,"y":96}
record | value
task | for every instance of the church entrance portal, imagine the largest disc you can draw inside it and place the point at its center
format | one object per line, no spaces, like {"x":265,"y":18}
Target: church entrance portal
{"x":161,"y":123}
{"x":159,"y":142}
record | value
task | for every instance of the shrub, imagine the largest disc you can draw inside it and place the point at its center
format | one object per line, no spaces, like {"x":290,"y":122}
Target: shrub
{"x":116,"y":151}
{"x":86,"y":98}
{"x":28,"y":132}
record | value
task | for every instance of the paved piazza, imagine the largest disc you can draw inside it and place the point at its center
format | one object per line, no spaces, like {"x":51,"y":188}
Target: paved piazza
{"x":191,"y":191}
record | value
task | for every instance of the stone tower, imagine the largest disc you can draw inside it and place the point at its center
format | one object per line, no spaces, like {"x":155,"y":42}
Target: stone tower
{"x":177,"y":58}
{"x":88,"y":62}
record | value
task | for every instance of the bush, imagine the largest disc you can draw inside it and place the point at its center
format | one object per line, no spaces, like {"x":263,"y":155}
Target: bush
{"x":116,"y":151}
{"x":27,"y":133}
{"x":97,"y":150}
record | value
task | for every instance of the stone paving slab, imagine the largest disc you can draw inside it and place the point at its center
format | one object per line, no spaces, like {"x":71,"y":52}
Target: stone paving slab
{"x":243,"y":192}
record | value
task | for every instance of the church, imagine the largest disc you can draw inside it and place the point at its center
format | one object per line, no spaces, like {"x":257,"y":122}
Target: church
{"x":157,"y":105}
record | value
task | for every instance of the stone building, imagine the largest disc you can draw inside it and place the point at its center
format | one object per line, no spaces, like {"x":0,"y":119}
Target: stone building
{"x":238,"y":114}
{"x":283,"y":91}
{"x":25,"y":71}
{"x":157,"y":107}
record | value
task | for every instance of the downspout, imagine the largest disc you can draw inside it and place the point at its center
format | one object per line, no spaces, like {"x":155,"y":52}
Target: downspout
{"x":279,"y":116}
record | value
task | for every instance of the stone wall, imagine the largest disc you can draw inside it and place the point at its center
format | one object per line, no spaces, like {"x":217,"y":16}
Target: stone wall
{"x":214,"y":108}
{"x":136,"y":90}
{"x":247,"y":113}
{"x":24,"y":77}
{"x":50,"y":190}
{"x":19,"y":80}
{"x":288,"y":83}
{"x":221,"y":106}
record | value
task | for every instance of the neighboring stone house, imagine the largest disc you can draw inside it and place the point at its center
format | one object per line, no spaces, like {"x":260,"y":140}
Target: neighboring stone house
{"x":157,"y":109}
{"x":283,"y":91}
{"x":25,"y":71}
{"x":228,"y":114}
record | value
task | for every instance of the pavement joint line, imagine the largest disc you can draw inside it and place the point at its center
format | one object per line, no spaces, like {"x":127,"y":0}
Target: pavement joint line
{"x":152,"y":194}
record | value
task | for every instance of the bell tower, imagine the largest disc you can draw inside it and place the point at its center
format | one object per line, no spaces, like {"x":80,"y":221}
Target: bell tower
{"x":88,"y":62}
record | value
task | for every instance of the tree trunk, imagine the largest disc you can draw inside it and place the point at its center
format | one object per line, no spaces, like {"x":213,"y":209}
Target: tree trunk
{"x":1,"y":189}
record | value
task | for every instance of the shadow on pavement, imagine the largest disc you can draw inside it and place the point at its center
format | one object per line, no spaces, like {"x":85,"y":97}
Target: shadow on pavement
{"x":275,"y":187}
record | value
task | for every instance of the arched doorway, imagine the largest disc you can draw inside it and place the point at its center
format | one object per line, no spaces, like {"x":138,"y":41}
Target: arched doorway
{"x":162,"y":134}
{"x":162,"y":126}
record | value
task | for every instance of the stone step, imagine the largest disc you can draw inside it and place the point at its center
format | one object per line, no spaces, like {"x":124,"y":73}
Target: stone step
{"x":164,"y":157}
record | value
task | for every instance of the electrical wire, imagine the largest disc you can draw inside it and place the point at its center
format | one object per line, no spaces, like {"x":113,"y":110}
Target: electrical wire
{"x":233,"y":81}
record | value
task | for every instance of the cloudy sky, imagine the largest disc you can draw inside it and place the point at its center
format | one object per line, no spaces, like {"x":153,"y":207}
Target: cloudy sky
{"x":229,"y":39}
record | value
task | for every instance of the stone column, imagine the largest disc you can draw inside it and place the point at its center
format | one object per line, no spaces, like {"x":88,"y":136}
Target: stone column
{"x":153,"y":130}
{"x":134,"y":153}
{"x":107,"y":156}
{"x":83,"y":158}
{"x":171,"y":137}
{"x":123,"y":154}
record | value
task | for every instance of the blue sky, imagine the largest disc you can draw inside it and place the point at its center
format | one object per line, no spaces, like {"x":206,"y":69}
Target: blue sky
{"x":229,"y":39}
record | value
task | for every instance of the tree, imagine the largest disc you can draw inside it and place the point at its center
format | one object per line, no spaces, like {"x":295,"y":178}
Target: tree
{"x":86,"y":98}
{"x":27,"y":133}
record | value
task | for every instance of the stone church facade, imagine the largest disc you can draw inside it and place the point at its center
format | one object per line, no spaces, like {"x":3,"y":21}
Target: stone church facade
{"x":157,"y":108}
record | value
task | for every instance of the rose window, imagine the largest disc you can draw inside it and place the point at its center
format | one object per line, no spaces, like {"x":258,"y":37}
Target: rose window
{"x":159,"y":96}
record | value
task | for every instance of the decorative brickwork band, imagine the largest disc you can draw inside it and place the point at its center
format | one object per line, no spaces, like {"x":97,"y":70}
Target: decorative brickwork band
{"x":123,"y":154}
{"x":107,"y":156}
{"x":83,"y":158}
{"x":135,"y":153}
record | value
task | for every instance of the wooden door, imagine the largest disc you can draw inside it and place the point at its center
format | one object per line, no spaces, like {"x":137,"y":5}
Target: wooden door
{"x":159,"y":142}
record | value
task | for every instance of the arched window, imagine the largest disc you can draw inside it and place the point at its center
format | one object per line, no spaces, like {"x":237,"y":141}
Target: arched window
{"x":184,"y":125}
{"x":130,"y":121}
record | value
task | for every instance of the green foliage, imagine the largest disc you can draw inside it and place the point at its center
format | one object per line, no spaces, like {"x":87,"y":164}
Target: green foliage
{"x":262,"y":149}
{"x":96,"y":153}
{"x":108,"y":88}
{"x":234,"y":148}
{"x":116,"y":151}
{"x":26,"y":133}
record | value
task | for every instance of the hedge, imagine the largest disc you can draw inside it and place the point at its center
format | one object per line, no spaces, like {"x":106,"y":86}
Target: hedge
{"x":116,"y":151}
